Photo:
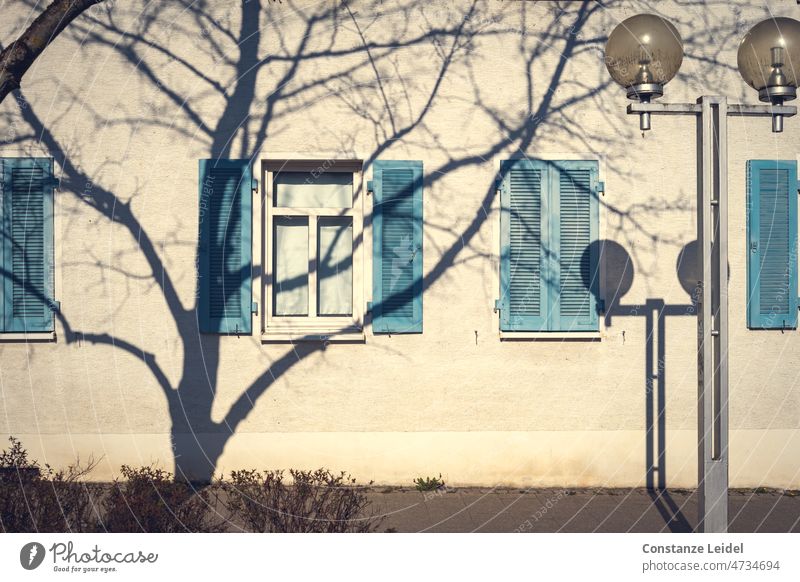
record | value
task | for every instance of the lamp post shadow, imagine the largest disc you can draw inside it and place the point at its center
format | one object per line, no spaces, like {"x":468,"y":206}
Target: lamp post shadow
{"x":619,"y":275}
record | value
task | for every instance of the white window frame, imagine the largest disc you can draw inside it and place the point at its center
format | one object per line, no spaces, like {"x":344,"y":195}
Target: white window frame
{"x":312,"y":327}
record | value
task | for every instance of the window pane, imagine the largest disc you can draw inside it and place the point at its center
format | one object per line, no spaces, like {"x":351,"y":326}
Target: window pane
{"x":335,"y":281}
{"x":314,"y":189}
{"x":290,"y":290}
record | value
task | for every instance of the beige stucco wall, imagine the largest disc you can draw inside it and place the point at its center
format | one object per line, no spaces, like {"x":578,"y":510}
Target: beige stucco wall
{"x":128,"y":116}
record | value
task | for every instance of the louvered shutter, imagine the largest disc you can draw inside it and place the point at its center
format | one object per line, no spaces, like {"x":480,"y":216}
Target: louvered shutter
{"x":574,"y":227}
{"x":27,"y":262}
{"x":397,"y":247}
{"x":224,"y":286}
{"x":523,"y":201}
{"x":772,"y":244}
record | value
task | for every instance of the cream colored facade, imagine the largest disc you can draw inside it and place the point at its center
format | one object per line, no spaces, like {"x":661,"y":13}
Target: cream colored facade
{"x":460,"y":86}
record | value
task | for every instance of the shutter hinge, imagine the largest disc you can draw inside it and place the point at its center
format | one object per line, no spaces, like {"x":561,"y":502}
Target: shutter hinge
{"x":496,"y":305}
{"x":601,"y":187}
{"x":254,"y":184}
{"x":370,"y":187}
{"x":254,"y":307}
{"x":55,"y":306}
{"x":601,"y":305}
{"x":369,"y":306}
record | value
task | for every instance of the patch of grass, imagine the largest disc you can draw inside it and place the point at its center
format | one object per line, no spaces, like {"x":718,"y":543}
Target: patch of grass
{"x":429,"y":483}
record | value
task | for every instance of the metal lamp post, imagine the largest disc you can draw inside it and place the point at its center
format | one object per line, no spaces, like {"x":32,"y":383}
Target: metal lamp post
{"x":643,"y":54}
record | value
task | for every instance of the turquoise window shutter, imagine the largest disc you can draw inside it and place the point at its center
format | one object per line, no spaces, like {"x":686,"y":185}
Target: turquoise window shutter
{"x":397,"y":247}
{"x":225,"y":248}
{"x":574,"y":220}
{"x":524,"y":205}
{"x":771,"y":244}
{"x":27,"y":242}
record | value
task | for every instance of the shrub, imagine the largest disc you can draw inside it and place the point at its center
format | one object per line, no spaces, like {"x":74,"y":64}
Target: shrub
{"x":70,"y":504}
{"x":17,"y":476}
{"x":41,"y":499}
{"x":316,"y":501}
{"x":149,"y":500}
{"x":429,"y":483}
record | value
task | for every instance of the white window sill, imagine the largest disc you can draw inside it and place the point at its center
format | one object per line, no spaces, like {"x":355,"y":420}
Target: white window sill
{"x":586,"y":336}
{"x":22,"y":337}
{"x":300,"y":334}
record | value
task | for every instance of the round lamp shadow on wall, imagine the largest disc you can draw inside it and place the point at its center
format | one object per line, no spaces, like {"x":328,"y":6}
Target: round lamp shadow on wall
{"x":768,"y":60}
{"x":619,"y":273}
{"x":643,"y":53}
{"x":688,"y":269}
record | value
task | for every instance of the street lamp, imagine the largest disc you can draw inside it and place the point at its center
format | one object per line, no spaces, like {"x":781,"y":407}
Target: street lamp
{"x":768,"y":58}
{"x":642,"y":54}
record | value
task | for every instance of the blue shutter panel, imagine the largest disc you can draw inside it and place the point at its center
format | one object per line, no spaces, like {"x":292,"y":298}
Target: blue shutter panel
{"x":523,"y":201}
{"x":574,"y":226}
{"x":27,"y":244}
{"x":397,"y":247}
{"x":772,"y":244}
{"x":225,"y":250}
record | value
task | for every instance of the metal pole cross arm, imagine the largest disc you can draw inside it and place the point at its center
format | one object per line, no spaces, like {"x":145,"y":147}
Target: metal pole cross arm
{"x":697,"y":108}
{"x":777,"y":112}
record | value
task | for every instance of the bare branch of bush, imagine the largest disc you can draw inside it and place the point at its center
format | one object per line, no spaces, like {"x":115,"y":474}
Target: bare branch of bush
{"x":315,"y":501}
{"x":149,"y":500}
{"x":33,"y":498}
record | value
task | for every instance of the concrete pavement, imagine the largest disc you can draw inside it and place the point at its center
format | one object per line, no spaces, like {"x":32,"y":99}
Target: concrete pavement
{"x":576,"y":510}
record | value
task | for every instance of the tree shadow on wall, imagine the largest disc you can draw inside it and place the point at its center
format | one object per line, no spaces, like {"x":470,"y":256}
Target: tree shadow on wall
{"x":197,"y":439}
{"x":256,"y":90}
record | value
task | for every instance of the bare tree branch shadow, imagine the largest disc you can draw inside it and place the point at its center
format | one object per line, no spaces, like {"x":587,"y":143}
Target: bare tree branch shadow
{"x":259,"y":93}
